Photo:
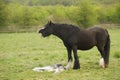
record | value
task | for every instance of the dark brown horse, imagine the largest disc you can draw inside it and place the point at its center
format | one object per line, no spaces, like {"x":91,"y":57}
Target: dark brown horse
{"x":83,"y":39}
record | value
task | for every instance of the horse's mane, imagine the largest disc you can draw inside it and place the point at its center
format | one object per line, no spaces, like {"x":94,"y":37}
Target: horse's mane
{"x":68,"y":26}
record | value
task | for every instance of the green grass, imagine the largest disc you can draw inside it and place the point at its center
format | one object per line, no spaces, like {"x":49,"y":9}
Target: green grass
{"x":21,"y":52}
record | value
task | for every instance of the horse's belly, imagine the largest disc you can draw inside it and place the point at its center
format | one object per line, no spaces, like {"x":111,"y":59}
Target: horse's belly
{"x":86,"y":46}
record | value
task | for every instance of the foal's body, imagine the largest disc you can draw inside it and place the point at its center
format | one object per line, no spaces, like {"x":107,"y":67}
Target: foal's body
{"x":83,"y":39}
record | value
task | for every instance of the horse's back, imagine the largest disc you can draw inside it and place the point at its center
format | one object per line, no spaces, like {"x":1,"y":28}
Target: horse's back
{"x":101,"y":35}
{"x":99,"y":32}
{"x":97,"y":29}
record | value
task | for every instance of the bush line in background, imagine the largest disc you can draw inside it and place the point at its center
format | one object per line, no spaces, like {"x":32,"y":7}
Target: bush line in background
{"x":17,"y":17}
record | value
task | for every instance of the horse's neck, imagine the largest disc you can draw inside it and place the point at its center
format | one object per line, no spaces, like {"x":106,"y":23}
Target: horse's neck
{"x":59,"y":33}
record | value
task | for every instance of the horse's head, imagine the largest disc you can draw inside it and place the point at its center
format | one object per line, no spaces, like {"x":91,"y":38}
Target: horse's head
{"x":47,"y":30}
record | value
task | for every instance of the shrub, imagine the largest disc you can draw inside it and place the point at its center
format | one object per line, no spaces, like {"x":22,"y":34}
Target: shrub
{"x":86,"y":16}
{"x":109,"y":14}
{"x":2,"y":13}
{"x":117,"y":13}
{"x":17,"y":16}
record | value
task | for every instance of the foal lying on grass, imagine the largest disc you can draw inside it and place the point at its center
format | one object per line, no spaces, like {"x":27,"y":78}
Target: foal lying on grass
{"x":57,"y":68}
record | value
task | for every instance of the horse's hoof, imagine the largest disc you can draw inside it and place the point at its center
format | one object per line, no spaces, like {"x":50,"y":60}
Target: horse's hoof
{"x":75,"y":67}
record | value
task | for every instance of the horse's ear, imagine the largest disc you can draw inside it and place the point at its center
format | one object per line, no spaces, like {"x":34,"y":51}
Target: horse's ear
{"x":50,"y":22}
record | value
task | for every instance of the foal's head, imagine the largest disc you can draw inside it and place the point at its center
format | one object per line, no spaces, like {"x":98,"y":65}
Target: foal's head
{"x":47,"y":30}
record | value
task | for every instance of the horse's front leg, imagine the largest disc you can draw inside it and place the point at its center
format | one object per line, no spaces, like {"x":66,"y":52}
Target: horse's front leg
{"x":69,"y":51}
{"x":76,"y":62}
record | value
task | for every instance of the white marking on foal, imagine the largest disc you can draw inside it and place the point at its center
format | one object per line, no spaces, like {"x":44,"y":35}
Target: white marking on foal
{"x":102,"y":63}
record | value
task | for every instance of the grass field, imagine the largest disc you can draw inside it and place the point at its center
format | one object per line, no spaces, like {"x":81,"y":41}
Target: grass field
{"x":21,"y":52}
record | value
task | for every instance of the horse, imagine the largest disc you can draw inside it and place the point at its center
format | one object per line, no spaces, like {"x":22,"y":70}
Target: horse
{"x":75,"y":38}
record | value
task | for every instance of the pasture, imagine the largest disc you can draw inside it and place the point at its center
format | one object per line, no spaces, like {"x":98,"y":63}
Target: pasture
{"x":21,"y":52}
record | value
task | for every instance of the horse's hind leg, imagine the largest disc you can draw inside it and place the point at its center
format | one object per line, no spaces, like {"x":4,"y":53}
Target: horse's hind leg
{"x":104,"y":49}
{"x":107,"y":50}
{"x":103,"y":61}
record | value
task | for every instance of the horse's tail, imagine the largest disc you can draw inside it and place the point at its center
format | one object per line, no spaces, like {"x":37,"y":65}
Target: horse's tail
{"x":107,"y":51}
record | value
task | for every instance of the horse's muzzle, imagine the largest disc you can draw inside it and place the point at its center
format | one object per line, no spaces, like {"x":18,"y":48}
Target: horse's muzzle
{"x":40,"y":31}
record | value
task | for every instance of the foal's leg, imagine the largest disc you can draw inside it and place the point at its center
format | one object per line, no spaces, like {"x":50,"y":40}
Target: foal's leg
{"x":76,"y":62}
